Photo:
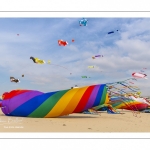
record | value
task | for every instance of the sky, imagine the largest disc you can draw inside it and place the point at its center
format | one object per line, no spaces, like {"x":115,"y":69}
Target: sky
{"x":125,"y":51}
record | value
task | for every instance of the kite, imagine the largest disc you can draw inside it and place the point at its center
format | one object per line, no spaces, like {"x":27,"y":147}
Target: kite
{"x":126,"y":100}
{"x":106,"y":107}
{"x":36,"y":104}
{"x":139,"y":75}
{"x":37,"y":60}
{"x":111,"y":32}
{"x":18,"y":34}
{"x":98,"y":55}
{"x":12,"y":79}
{"x":33,"y":59}
{"x":90,"y":66}
{"x":72,"y":40}
{"x":49,"y":62}
{"x":83,"y":22}
{"x":130,"y":103}
{"x":85,"y":77}
{"x":74,"y":87}
{"x":23,"y":75}
{"x":62,"y":43}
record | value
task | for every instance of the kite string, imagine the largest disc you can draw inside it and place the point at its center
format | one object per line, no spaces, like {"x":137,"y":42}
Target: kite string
{"x":129,"y":106}
{"x":59,"y":66}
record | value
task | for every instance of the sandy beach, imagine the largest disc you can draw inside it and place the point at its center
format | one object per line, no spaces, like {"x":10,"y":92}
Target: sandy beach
{"x":102,"y":122}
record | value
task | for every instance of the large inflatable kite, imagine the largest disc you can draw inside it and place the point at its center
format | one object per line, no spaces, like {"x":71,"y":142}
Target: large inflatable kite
{"x":136,"y":104}
{"x":29,"y":103}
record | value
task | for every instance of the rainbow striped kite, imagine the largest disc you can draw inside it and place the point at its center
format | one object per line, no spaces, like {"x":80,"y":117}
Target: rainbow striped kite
{"x":129,"y":104}
{"x":30,"y":103}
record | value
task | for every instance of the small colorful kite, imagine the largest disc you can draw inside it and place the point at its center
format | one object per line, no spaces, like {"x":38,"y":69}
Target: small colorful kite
{"x":74,"y":87}
{"x":62,"y":43}
{"x":97,"y":56}
{"x":111,"y":32}
{"x":49,"y":62}
{"x":83,"y":22}
{"x":90,"y":66}
{"x":84,"y":76}
{"x":12,"y":79}
{"x":139,"y":75}
{"x":37,"y":60}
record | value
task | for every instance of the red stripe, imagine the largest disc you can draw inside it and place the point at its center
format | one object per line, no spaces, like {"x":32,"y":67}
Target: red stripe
{"x":137,"y":107}
{"x":13,"y":93}
{"x":84,"y":100}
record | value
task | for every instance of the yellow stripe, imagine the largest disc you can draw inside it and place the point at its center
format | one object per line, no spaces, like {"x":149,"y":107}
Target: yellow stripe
{"x":107,"y":99}
{"x":74,"y":101}
{"x":62,"y":103}
{"x":126,"y":105}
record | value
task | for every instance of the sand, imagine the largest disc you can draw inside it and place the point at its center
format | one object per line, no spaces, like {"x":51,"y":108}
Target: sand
{"x":103,"y":122}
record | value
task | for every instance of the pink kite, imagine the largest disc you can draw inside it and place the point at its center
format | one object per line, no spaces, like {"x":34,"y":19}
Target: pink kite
{"x":138,"y":75}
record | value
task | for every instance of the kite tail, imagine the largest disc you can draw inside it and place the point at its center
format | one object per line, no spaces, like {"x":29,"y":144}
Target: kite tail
{"x":131,"y":107}
{"x":128,"y":87}
{"x":128,"y":106}
{"x":111,"y":110}
{"x":136,"y":111}
{"x":93,"y":111}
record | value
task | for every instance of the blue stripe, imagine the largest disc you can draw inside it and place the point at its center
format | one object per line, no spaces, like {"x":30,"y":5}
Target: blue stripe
{"x":99,"y":95}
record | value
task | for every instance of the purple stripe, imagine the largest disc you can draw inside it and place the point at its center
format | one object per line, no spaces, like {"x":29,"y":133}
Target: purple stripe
{"x":4,"y":107}
{"x":16,"y":101}
{"x":92,"y":98}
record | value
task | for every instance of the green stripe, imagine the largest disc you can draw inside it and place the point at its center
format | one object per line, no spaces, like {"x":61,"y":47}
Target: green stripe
{"x":46,"y":107}
{"x":124,"y":102}
{"x":99,"y":106}
{"x":116,"y":104}
{"x":103,"y":98}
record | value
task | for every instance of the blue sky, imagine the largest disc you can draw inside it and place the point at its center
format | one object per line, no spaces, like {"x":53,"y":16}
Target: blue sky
{"x":125,"y":52}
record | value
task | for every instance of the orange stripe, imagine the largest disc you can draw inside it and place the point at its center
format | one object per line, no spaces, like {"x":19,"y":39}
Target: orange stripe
{"x":74,"y":101}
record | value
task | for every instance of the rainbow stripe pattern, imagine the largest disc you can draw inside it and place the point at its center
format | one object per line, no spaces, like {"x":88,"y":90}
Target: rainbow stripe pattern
{"x":129,"y":105}
{"x":30,"y":103}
